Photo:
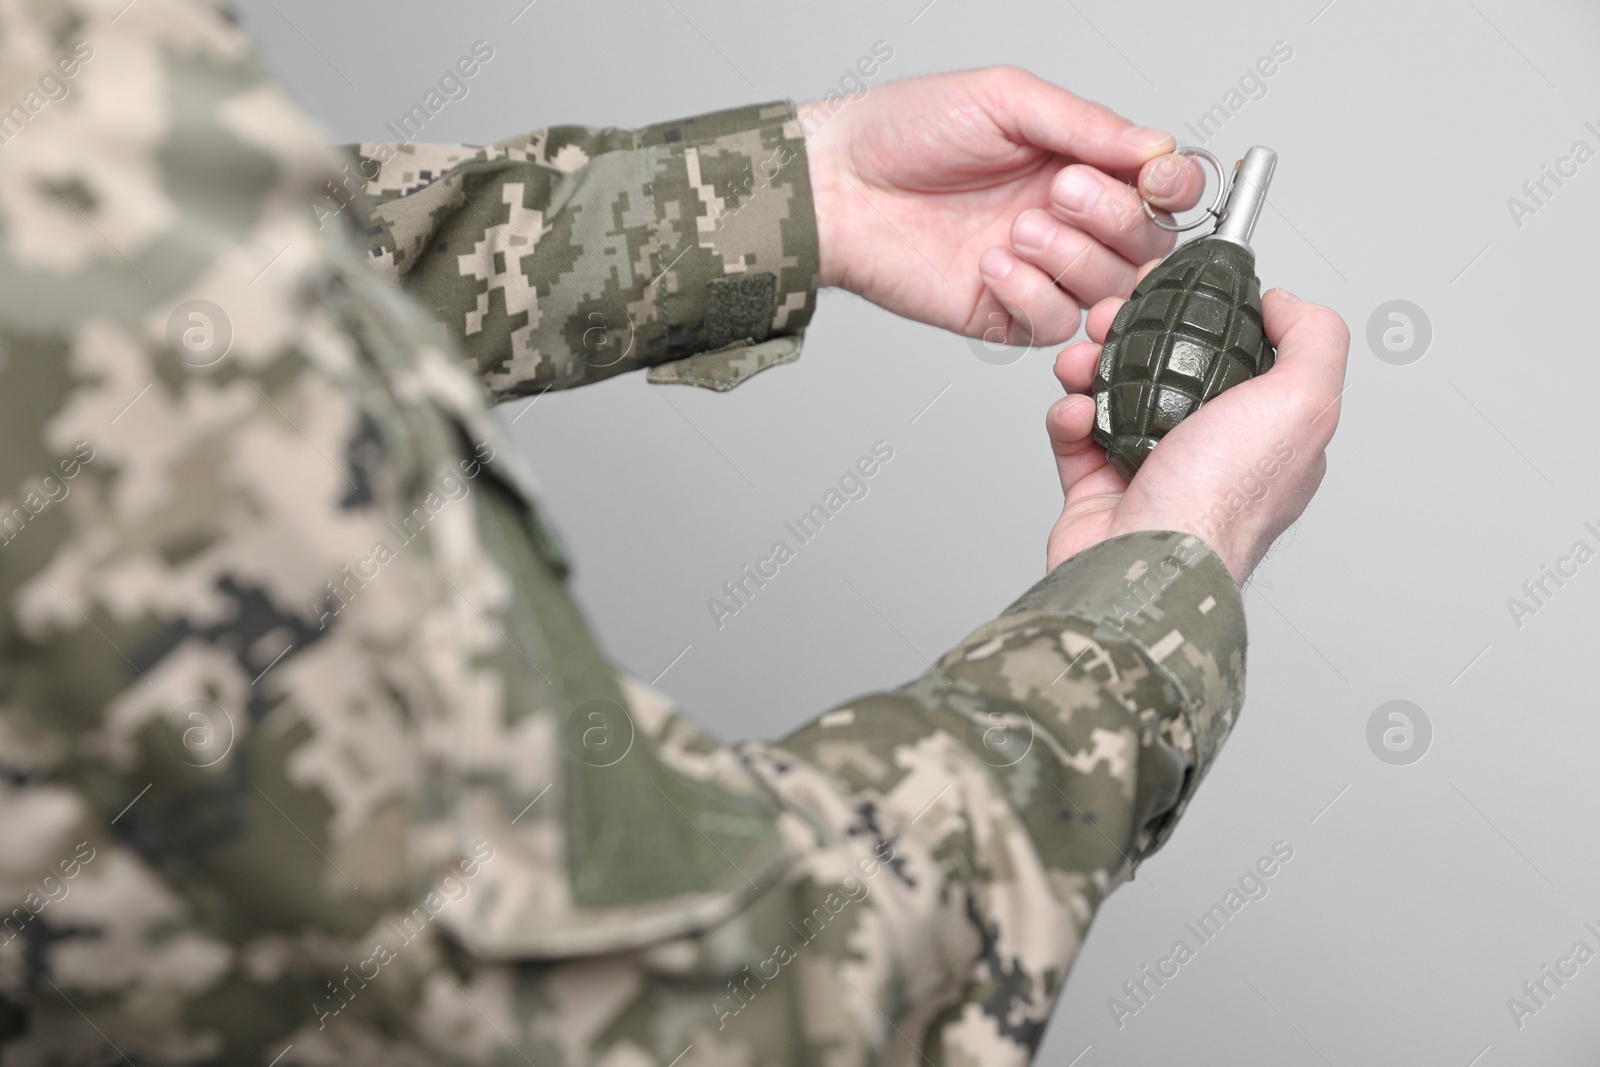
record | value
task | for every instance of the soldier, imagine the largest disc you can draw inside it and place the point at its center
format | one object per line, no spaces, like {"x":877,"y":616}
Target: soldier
{"x":306,"y":756}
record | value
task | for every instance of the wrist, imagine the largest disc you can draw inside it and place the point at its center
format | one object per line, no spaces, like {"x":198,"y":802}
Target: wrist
{"x":823,"y":161}
{"x":1221,"y":540}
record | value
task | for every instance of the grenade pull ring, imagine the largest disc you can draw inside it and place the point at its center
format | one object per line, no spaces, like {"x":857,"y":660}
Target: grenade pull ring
{"x":1250,"y":178}
{"x":1214,"y":211}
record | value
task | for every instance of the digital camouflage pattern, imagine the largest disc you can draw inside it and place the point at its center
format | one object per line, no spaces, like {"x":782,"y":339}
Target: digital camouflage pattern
{"x":571,"y":254}
{"x":306,"y":756}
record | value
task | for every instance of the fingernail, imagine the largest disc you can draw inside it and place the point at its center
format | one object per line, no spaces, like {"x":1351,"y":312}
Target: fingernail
{"x":1033,"y":230}
{"x":1165,"y":178}
{"x":994,"y":263}
{"x":1287,"y":295}
{"x":1077,"y":190}
{"x":1140,"y":137}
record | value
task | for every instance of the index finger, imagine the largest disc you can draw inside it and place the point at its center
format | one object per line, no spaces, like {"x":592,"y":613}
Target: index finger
{"x":1040,"y":113}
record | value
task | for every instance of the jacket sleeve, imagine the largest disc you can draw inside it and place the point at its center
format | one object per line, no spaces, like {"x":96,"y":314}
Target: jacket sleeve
{"x":1022,"y":777}
{"x":571,"y":254}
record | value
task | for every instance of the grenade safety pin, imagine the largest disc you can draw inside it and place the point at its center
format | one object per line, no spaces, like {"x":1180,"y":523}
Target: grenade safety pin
{"x":1192,"y":328}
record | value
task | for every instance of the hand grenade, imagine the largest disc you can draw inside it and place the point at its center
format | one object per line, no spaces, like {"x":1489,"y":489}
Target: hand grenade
{"x":1191,"y":329}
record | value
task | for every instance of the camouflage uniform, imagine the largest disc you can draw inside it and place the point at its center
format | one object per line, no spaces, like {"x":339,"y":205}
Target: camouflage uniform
{"x":306,"y":756}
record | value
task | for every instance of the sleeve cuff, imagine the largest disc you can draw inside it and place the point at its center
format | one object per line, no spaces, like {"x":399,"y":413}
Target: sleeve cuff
{"x":731,"y":192}
{"x":1171,"y":599}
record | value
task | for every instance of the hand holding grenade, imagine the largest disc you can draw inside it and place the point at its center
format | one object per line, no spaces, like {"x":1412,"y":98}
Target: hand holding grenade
{"x":1191,"y":329}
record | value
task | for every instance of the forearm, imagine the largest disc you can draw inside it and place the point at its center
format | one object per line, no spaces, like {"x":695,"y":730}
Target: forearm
{"x":570,"y":254}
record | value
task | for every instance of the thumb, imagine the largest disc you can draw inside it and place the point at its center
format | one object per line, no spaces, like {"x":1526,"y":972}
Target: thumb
{"x":1313,"y":346}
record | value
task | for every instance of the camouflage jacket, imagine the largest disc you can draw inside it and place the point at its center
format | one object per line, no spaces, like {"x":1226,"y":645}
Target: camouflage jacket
{"x":306,"y":756}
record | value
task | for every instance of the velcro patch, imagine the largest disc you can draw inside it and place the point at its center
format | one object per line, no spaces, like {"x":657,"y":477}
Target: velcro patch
{"x":739,"y":306}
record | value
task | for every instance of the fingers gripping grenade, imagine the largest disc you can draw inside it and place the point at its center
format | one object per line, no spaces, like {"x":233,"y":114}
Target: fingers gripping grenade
{"x":1191,"y":329}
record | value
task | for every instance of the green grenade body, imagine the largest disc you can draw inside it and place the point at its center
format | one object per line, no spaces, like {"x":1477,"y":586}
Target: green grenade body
{"x":1191,"y":329}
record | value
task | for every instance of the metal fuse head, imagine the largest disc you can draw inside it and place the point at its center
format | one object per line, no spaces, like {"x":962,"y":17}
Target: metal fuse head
{"x":1247,"y":194}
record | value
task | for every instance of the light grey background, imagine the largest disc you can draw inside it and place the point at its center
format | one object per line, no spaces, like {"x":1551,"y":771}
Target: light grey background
{"x":1419,"y":897}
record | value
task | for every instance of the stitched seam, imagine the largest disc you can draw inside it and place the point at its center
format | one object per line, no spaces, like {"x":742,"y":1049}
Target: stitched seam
{"x":661,"y":242}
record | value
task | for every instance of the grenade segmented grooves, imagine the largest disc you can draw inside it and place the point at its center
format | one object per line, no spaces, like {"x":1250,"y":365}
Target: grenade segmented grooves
{"x":1190,"y":330}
